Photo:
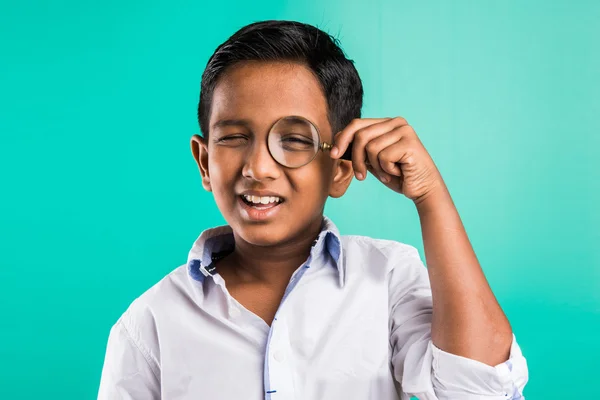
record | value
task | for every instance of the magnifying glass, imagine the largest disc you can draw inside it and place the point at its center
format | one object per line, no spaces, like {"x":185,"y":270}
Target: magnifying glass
{"x":294,"y":141}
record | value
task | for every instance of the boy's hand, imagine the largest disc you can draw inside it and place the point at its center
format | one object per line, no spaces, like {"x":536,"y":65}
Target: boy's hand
{"x":390,"y":149}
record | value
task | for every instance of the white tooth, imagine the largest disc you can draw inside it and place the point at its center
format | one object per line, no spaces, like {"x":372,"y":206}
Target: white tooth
{"x":262,"y":200}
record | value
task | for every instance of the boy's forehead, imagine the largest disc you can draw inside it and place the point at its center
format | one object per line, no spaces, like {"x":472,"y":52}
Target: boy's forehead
{"x":265,"y":92}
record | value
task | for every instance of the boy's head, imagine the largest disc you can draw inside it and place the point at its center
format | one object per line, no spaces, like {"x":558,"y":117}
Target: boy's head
{"x":266,"y":71}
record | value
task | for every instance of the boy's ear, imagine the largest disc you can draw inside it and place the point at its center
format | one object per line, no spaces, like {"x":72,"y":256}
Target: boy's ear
{"x":200,"y":152}
{"x":341,"y":178}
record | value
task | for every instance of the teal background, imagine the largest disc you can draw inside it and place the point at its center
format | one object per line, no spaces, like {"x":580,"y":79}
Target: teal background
{"x":100,"y":197}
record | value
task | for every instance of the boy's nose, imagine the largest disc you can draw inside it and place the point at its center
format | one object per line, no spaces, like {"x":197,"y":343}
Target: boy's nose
{"x":260,"y":165}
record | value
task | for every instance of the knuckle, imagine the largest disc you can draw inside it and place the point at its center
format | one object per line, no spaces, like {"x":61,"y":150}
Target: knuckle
{"x":404,"y":130}
{"x":407,"y":129}
{"x":383,"y":157}
{"x":354,"y":122}
{"x":370,"y":147}
{"x":361,"y":136}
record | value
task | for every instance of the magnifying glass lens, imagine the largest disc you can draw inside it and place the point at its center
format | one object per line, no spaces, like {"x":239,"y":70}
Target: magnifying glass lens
{"x":293,"y":141}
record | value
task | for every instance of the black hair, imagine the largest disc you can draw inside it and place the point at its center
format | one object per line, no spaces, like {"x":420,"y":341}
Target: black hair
{"x":276,"y":40}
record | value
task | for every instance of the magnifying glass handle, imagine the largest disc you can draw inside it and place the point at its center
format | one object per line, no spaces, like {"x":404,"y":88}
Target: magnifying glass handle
{"x":348,"y":153}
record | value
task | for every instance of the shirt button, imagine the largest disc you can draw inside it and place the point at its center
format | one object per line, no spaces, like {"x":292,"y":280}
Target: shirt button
{"x":279,"y":355}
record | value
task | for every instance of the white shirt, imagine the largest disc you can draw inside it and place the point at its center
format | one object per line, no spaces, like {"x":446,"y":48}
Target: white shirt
{"x":354,"y":323}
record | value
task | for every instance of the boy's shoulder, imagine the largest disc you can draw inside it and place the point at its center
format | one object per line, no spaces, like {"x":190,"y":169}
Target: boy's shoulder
{"x":157,"y":301}
{"x":393,"y":264}
{"x":376,"y":249}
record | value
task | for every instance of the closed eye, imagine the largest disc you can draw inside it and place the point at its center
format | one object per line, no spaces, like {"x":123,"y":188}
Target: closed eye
{"x":296,"y":140}
{"x":297,"y":143}
{"x":232,"y":139}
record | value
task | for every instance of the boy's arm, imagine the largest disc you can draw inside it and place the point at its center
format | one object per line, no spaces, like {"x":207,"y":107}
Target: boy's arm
{"x":467,"y":319}
{"x":461,"y":352}
{"x":421,"y":368}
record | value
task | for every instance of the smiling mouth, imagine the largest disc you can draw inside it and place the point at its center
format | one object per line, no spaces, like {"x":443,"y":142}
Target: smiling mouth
{"x":261,"y":202}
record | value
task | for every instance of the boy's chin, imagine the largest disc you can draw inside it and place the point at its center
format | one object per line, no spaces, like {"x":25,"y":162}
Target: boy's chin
{"x":265,"y":236}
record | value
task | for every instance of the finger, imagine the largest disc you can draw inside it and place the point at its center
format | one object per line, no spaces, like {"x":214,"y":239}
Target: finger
{"x":394,"y":182}
{"x":392,"y":156}
{"x":343,"y":138}
{"x":391,"y":159}
{"x":362,"y":138}
{"x":375,"y":146}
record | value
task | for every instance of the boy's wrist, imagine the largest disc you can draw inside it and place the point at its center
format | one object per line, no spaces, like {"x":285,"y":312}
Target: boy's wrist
{"x":433,"y":199}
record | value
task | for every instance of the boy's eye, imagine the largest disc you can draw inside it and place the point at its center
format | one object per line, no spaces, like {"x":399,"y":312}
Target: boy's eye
{"x":236,"y":139}
{"x":292,"y":143}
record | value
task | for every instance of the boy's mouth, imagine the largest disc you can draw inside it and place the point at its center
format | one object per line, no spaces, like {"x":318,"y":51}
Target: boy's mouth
{"x":261,"y":202}
{"x":261,"y":207}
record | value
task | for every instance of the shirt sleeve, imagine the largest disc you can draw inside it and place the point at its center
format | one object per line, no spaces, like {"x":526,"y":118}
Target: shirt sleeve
{"x":129,"y":373}
{"x":427,"y":372}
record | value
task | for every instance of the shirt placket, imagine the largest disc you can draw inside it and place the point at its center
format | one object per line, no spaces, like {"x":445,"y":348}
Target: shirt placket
{"x":278,"y":371}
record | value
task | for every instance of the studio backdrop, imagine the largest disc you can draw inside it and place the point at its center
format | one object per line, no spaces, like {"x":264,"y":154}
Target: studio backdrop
{"x":100,"y":196}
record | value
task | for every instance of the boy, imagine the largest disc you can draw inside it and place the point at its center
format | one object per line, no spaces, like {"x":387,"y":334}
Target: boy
{"x":276,"y":304}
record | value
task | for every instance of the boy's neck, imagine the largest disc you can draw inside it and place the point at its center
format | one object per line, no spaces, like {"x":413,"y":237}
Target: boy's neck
{"x":273,"y":265}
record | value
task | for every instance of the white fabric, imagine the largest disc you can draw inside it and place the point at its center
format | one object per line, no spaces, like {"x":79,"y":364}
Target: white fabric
{"x":355,"y":323}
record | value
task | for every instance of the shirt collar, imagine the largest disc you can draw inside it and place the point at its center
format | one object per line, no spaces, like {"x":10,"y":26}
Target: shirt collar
{"x":215,"y":243}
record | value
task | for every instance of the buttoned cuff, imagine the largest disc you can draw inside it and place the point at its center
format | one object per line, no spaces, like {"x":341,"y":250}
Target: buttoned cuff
{"x":456,"y":377}
{"x":453,"y":377}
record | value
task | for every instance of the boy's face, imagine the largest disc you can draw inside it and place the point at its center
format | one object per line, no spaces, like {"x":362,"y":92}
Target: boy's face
{"x":234,"y":160}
